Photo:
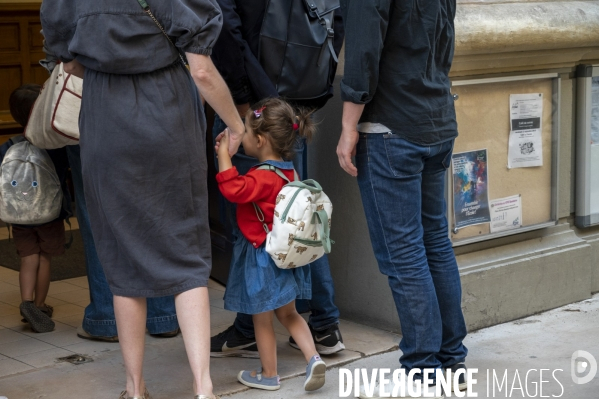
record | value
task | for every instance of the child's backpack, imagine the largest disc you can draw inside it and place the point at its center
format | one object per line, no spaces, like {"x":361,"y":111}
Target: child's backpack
{"x":301,"y":223}
{"x":30,"y":192}
{"x":296,"y":47}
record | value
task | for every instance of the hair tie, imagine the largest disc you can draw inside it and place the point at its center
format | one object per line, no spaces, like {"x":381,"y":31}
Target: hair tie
{"x":258,"y":112}
{"x":295,"y":126}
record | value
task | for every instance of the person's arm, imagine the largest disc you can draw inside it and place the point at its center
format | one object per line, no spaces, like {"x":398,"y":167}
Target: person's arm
{"x":346,"y":148}
{"x":57,"y":37}
{"x":228,"y":55}
{"x":222,"y":152}
{"x":365,"y":30}
{"x":233,"y":56}
{"x":214,"y":89}
{"x":366,"y":25}
{"x":257,"y":185}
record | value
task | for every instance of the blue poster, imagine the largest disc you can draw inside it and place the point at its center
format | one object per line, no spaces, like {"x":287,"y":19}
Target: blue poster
{"x":470,"y":188}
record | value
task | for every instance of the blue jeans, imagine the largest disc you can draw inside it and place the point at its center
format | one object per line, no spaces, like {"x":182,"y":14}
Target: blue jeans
{"x":324,"y":312}
{"x":403,"y":191}
{"x":99,"y":317}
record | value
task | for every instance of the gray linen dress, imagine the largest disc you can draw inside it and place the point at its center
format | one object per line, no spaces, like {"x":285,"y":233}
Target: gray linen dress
{"x":142,"y":136}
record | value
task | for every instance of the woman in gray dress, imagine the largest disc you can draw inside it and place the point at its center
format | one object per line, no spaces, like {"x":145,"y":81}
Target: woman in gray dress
{"x":144,"y":158}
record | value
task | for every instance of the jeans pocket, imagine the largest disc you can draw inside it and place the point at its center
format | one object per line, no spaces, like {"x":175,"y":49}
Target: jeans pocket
{"x":447,"y":159}
{"x":404,"y":158}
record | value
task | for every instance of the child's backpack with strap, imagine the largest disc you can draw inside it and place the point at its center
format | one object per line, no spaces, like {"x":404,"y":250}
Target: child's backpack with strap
{"x":296,"y":47}
{"x":30,"y":192}
{"x":301,"y":223}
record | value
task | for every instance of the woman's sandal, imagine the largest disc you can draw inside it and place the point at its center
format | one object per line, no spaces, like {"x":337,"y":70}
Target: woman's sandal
{"x":205,"y":397}
{"x":146,"y":395}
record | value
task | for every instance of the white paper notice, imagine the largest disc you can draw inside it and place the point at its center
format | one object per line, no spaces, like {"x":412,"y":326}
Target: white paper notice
{"x":595,"y":112}
{"x":525,"y":144}
{"x":506,"y":213}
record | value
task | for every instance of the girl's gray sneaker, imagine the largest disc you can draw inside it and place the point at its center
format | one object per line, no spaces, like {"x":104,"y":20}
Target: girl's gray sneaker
{"x":315,"y":373}
{"x":259,"y":381}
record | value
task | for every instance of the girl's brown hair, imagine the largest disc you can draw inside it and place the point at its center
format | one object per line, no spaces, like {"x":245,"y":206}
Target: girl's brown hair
{"x":280,"y":123}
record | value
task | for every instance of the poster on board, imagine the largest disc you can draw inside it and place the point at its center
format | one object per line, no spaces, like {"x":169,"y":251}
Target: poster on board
{"x":470,"y":188}
{"x":595,"y":112}
{"x":506,"y":213}
{"x":525,"y":142}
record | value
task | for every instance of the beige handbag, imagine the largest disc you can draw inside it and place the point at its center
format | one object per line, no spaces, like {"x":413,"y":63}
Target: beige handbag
{"x":54,"y":119}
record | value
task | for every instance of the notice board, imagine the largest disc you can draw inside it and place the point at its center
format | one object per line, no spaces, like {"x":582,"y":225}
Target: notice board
{"x":483,"y":116}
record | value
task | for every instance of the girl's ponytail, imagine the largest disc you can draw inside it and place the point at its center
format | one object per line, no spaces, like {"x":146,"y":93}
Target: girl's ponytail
{"x":306,"y":124}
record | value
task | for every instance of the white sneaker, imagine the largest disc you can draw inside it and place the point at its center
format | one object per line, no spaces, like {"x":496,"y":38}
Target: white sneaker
{"x":389,"y":389}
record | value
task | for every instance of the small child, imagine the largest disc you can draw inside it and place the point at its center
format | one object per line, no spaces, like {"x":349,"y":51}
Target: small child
{"x":256,"y":285}
{"x":37,"y":244}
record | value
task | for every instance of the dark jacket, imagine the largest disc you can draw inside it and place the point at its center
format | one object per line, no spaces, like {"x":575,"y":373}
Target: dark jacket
{"x":398,"y":54}
{"x":235,"y":53}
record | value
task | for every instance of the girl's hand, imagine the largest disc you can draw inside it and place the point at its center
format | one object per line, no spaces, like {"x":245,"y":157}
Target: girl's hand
{"x":222,"y":151}
{"x":222,"y":143}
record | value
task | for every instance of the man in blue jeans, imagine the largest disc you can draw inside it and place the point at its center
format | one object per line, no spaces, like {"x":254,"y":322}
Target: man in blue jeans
{"x":399,"y":122}
{"x":235,"y":56}
{"x":99,"y":322}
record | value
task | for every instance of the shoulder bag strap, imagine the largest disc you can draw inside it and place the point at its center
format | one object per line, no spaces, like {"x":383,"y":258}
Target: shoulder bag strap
{"x":278,"y":171}
{"x":146,"y":8}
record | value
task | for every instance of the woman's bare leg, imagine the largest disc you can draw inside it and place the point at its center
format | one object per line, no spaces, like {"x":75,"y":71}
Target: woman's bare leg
{"x":131,"y":316}
{"x":193,"y":314}
{"x":267,"y":342}
{"x":298,"y":328}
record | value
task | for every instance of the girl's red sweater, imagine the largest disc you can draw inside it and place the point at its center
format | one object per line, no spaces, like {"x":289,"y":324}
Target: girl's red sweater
{"x":259,"y":186}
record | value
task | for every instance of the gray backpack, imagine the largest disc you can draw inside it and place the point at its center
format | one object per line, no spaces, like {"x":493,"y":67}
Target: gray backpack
{"x":30,"y":192}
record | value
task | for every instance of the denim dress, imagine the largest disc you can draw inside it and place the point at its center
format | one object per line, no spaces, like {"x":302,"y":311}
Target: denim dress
{"x":255,"y":283}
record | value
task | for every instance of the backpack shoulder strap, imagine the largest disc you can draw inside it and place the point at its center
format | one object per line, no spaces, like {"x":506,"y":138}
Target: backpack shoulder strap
{"x":277,"y":171}
{"x":280,"y":173}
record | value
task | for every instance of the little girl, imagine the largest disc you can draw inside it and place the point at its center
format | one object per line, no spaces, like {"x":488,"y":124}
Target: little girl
{"x":256,"y":285}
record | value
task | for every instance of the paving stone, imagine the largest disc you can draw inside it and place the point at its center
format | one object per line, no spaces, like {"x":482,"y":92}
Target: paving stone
{"x":44,"y":358}
{"x":24,"y":347}
{"x":9,"y":367}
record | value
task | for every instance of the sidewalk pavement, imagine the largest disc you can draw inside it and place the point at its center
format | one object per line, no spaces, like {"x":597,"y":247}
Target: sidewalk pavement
{"x":29,"y":367}
{"x":518,"y":350}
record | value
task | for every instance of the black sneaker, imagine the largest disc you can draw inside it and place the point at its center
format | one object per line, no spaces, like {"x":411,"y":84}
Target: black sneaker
{"x":327,"y":342}
{"x":462,"y":381}
{"x":47,"y":310}
{"x":232,"y":342}
{"x":38,"y":320}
